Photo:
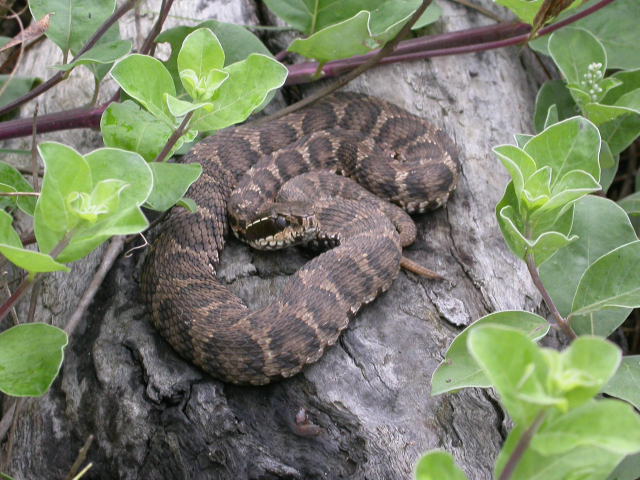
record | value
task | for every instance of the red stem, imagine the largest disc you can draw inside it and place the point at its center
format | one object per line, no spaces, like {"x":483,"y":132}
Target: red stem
{"x":453,"y":43}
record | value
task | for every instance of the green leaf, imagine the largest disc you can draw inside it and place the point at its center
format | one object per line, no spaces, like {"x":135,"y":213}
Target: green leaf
{"x":552,"y":116}
{"x":608,"y":424}
{"x":600,"y":114}
{"x":581,"y":58}
{"x":179,"y":108}
{"x":620,"y":132}
{"x":582,"y":463}
{"x":102,"y":54}
{"x":599,"y":288}
{"x":515,"y":367}
{"x":200,"y":62}
{"x":615,"y":26}
{"x":18,"y":86}
{"x":98,"y":166}
{"x":311,"y":16}
{"x":145,"y":79}
{"x":608,"y":167}
{"x":237,"y":43}
{"x":30,"y":358}
{"x":66,"y":171}
{"x":11,"y":177}
{"x":630,"y":81}
{"x":430,"y":15}
{"x":459,"y":370}
{"x":188,"y":204}
{"x":631,"y":204}
{"x":526,"y":9}
{"x":522,"y":139}
{"x":438,"y":465}
{"x":550,"y":234}
{"x":354,"y":31}
{"x":12,"y":249}
{"x":572,"y":144}
{"x":129,"y":127}
{"x":584,"y":369}
{"x":518,"y":163}
{"x":103,"y":200}
{"x":628,"y":469}
{"x":553,"y":92}
{"x":342,"y":40}
{"x":630,"y":100}
{"x":74,"y":21}
{"x":170,"y":182}
{"x":625,"y":383}
{"x":601,"y":226}
{"x":248,"y":85}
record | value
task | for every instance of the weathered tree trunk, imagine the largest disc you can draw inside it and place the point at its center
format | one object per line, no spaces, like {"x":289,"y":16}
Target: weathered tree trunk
{"x":370,"y":415}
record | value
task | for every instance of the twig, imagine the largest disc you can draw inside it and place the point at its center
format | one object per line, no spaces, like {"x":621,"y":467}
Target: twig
{"x":35,"y":292}
{"x":175,"y":136}
{"x":561,"y":322}
{"x":28,"y":283}
{"x":522,"y":446}
{"x":14,"y":315}
{"x":342,"y":81}
{"x":157,"y":27}
{"x":19,"y":194}
{"x":452,"y":43}
{"x":82,"y":455}
{"x":114,"y":249}
{"x":12,"y":431}
{"x":34,"y":150}
{"x":455,"y":43}
{"x":7,"y":419}
{"x":58,"y":77}
{"x":15,"y":68}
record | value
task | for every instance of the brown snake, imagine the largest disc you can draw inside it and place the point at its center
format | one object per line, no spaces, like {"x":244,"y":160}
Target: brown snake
{"x":393,"y":154}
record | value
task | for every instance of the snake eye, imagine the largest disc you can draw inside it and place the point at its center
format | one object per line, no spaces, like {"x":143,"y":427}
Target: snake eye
{"x":281,"y":222}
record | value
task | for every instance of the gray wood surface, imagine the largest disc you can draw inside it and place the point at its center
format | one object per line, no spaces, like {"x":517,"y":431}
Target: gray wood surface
{"x":370,"y":415}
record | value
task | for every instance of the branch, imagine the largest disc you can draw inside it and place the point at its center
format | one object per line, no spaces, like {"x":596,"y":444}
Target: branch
{"x":28,"y":283}
{"x":58,"y":77}
{"x":342,"y":81}
{"x":453,"y":43}
{"x":110,"y":256}
{"x":175,"y":136}
{"x":561,"y":322}
{"x":522,"y":446}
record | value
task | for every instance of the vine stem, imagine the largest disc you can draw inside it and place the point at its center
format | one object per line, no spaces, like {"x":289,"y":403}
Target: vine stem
{"x":359,"y":70}
{"x":452,"y":43}
{"x":175,"y":136}
{"x":24,"y":287}
{"x":561,"y":322}
{"x":19,"y":194}
{"x":522,"y":446}
{"x":58,"y":77}
{"x":455,"y":43}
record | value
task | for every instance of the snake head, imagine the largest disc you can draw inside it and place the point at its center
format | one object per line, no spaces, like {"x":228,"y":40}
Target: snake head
{"x":282,"y":225}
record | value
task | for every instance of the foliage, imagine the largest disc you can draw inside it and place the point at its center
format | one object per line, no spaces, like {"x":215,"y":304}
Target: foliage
{"x":583,"y":255}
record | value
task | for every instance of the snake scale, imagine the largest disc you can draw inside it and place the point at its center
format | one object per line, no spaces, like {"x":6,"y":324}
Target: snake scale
{"x":287,"y":192}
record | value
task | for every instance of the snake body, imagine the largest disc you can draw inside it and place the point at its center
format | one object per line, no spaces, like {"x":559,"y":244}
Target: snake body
{"x":286,"y":191}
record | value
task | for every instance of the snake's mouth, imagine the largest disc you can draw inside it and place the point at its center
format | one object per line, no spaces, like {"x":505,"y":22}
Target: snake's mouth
{"x":282,"y":227}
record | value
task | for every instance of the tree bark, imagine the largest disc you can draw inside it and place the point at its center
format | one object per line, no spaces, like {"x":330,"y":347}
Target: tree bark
{"x":364,"y":410}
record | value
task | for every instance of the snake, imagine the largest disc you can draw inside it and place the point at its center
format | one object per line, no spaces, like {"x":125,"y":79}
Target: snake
{"x":340,"y":177}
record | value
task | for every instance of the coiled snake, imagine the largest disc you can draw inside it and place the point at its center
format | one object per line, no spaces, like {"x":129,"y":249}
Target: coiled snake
{"x":392,"y":153}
